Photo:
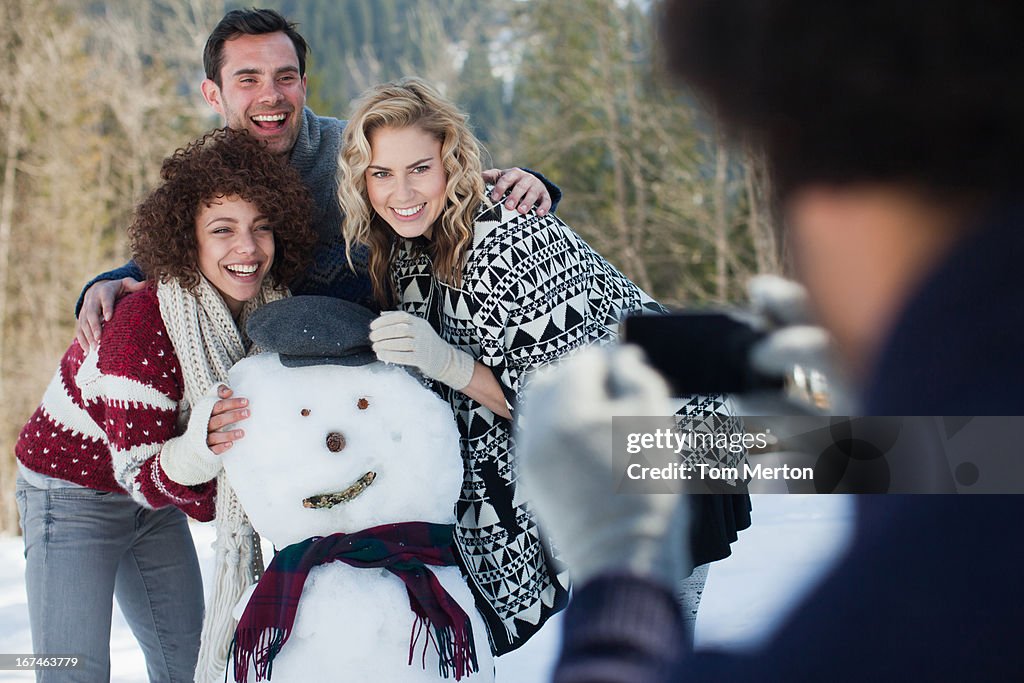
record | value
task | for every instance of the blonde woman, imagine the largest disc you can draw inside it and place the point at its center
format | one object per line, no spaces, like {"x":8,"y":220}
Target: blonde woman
{"x":485,"y":296}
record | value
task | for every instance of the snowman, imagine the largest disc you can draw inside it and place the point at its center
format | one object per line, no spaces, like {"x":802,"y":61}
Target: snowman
{"x":351,"y":468}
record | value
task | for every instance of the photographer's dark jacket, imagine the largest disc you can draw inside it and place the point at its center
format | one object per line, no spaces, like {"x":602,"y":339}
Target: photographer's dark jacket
{"x":958,"y":348}
{"x":532,"y":291}
{"x":930,"y":588}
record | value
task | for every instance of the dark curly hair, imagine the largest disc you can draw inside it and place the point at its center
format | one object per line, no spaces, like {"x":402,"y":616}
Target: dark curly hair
{"x":249,"y":22}
{"x":926,"y":93}
{"x":223,"y":162}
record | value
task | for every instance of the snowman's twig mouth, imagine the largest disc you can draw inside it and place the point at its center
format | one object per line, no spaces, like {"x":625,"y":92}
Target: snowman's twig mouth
{"x":329,"y":500}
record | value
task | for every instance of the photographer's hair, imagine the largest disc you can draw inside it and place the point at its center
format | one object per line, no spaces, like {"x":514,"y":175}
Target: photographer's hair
{"x":411,"y":102}
{"x":863,"y":90}
{"x":249,"y":22}
{"x":222,"y":163}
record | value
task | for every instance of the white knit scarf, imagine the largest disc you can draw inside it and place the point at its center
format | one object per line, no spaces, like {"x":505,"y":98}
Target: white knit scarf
{"x":208,"y":342}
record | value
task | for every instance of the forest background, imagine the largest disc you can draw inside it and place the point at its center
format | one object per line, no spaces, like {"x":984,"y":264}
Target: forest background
{"x":96,"y":93}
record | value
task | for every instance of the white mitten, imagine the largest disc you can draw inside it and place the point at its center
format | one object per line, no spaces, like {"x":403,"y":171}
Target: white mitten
{"x":564,"y":445}
{"x":406,"y":339}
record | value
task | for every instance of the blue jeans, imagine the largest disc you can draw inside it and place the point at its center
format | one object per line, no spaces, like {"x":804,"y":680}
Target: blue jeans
{"x":83,"y":547}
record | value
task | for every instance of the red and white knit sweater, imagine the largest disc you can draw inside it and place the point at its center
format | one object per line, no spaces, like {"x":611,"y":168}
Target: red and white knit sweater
{"x":103,"y":423}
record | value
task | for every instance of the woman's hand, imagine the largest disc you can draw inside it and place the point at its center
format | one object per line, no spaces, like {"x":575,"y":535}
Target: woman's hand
{"x":405,"y":339}
{"x":226,"y":411}
{"x":195,"y":457}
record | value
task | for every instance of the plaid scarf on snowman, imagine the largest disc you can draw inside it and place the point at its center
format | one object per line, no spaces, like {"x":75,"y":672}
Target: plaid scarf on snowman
{"x":404,"y":549}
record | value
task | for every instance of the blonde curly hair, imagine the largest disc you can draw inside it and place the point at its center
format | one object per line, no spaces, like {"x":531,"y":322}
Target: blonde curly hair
{"x":400,"y":104}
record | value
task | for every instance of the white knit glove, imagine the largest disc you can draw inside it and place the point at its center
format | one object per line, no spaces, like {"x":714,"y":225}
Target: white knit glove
{"x":794,"y":337}
{"x":187,"y":459}
{"x":564,"y":444}
{"x":406,"y":339}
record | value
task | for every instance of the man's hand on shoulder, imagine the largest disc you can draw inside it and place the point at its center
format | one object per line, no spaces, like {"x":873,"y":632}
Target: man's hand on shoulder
{"x":525,"y":190}
{"x":98,"y":307}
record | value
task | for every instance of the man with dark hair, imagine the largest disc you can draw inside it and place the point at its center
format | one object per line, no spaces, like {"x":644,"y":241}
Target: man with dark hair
{"x":895,"y":139}
{"x":252,"y":22}
{"x":258,"y":47}
{"x":255,"y":65}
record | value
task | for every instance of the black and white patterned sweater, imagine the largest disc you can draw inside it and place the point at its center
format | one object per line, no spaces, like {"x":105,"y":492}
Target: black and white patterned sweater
{"x":532,"y":291}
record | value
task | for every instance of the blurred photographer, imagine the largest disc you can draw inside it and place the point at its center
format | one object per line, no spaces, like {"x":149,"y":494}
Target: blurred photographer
{"x":895,"y":136}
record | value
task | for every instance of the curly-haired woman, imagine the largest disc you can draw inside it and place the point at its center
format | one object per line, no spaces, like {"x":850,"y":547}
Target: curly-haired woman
{"x":126,"y":442}
{"x":487,"y":296}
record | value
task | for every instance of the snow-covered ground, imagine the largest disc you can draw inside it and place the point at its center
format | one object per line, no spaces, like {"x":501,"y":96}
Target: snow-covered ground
{"x":793,"y":541}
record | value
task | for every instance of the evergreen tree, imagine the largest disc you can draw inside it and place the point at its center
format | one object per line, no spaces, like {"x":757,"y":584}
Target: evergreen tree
{"x":480,"y":94}
{"x":645,"y":181}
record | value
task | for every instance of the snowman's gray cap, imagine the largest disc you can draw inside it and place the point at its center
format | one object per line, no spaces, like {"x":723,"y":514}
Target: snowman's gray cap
{"x":313,"y":330}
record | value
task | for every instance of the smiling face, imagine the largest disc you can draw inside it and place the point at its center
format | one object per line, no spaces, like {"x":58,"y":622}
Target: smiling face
{"x":261,"y":89}
{"x":405,"y":181}
{"x":236,"y":249}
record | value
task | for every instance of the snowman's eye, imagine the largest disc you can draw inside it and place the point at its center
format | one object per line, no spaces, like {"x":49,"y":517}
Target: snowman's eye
{"x":305,"y":412}
{"x":363,"y":404}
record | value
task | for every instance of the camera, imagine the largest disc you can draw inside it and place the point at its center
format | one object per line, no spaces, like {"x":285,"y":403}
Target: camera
{"x":702,"y":352}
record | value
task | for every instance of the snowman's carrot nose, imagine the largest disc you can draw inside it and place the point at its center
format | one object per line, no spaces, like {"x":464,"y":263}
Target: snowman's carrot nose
{"x":335,"y":442}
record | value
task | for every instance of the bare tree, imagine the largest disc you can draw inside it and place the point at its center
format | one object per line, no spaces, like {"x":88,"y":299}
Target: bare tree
{"x":76,"y":158}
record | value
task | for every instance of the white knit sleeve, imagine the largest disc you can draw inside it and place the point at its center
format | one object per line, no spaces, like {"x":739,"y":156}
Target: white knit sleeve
{"x":186,"y":459}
